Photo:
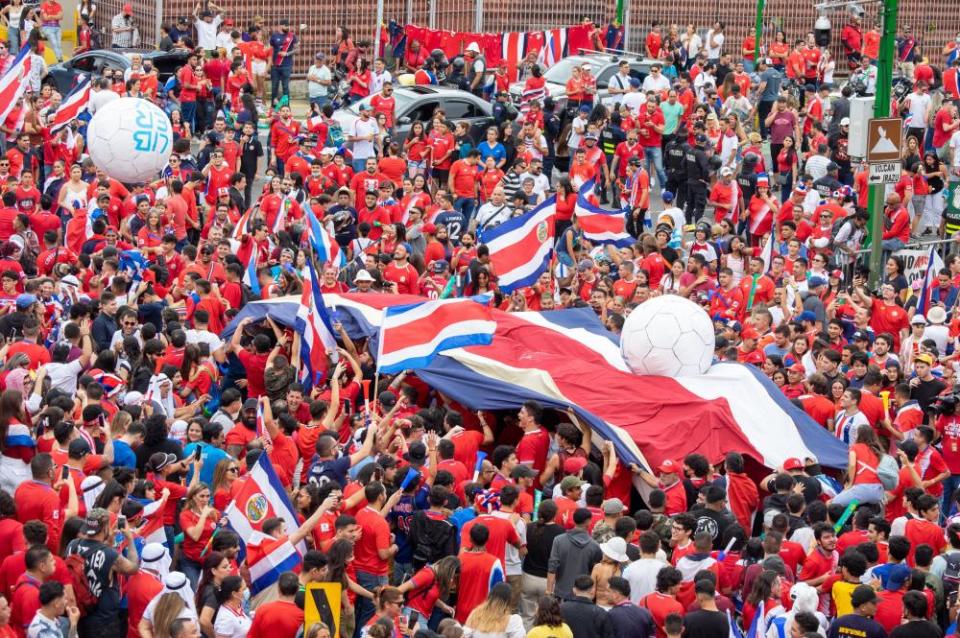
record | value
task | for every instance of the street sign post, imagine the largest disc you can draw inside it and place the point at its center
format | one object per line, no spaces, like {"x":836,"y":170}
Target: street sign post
{"x":883,"y":139}
{"x":884,"y":173}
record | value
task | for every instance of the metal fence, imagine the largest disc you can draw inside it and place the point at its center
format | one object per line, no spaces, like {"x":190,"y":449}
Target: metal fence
{"x":933,"y":21}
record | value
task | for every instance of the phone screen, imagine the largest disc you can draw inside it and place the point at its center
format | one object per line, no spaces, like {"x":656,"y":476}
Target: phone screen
{"x":197,"y":451}
{"x":121,"y":522}
{"x":65,"y":472}
{"x":414,"y":617}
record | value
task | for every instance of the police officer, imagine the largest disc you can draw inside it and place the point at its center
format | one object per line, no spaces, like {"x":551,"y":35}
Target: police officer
{"x":610,"y":136}
{"x":476,"y":69}
{"x":829,"y":182}
{"x":674,"y":163}
{"x":698,"y":179}
{"x":551,"y":131}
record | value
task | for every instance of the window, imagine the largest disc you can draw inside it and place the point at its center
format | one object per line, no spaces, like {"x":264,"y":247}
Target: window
{"x":84,"y":64}
{"x":461,"y":109}
{"x":603,"y":80}
{"x":422,"y":112}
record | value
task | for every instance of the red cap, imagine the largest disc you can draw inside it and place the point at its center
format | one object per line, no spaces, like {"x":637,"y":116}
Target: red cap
{"x":128,"y":9}
{"x":574,"y":464}
{"x":429,"y":229}
{"x":669,"y":467}
{"x":837,"y":274}
{"x":797,"y":367}
{"x":228,"y":22}
{"x":750,"y":333}
{"x":793,"y":463}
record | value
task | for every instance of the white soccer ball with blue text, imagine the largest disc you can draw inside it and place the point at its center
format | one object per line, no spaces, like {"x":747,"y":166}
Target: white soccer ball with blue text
{"x":130,"y":139}
{"x":668,"y":336}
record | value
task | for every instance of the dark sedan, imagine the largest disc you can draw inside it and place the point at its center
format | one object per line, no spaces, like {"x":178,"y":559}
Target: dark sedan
{"x":64,"y":75}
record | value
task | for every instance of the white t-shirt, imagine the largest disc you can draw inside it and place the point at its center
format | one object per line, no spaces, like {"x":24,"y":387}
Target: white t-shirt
{"x":224,"y":41}
{"x":634,"y":101}
{"x":515,"y":629}
{"x":642,"y":576}
{"x":512,"y":555}
{"x":205,"y":336}
{"x":63,"y":376}
{"x":231,"y":624}
{"x":657,"y":84}
{"x":314,"y":75}
{"x":362,"y":149}
{"x":540,"y":182}
{"x":955,"y":148}
{"x":919,"y":106}
{"x":579,"y":122}
{"x":377,"y":80}
{"x":207,"y":32}
{"x":713,"y":52}
{"x":693,"y":44}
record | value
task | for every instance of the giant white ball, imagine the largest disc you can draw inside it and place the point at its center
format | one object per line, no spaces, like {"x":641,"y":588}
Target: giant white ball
{"x":668,"y":336}
{"x":130,"y":139}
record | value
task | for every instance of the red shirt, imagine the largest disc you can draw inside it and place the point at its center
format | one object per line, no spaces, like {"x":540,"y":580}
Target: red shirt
{"x":676,"y":499}
{"x":465,"y":447}
{"x":501,"y":531}
{"x":660,"y":606}
{"x":193,"y":548}
{"x":38,"y":501}
{"x":645,"y":123}
{"x":375,"y":537}
{"x":255,"y":365}
{"x":385,"y":105}
{"x":25,"y":603}
{"x":464,"y":178}
{"x":406,"y":277}
{"x":892,"y":319}
{"x":477,"y":571}
{"x":922,"y":532}
{"x":532,"y":449}
{"x":277,"y":618}
{"x":11,"y":537}
{"x":141,"y":589}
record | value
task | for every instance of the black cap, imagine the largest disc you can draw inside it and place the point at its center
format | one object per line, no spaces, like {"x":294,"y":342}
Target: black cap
{"x":832,"y":167}
{"x":78,"y":448}
{"x":862,"y":595}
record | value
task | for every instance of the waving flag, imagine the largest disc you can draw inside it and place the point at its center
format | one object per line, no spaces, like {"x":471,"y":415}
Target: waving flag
{"x":934,"y":265}
{"x":14,"y":81}
{"x":133,"y":263}
{"x":514,"y":49}
{"x":758,"y":628}
{"x":73,"y":105}
{"x":520,"y":247}
{"x":324,"y":245}
{"x":766,"y":254}
{"x":316,"y":330}
{"x":598,"y":225}
{"x":554,"y":48}
{"x":243,"y":224}
{"x":262,"y":497}
{"x":250,"y":273}
{"x":261,"y":424}
{"x":411,"y":335}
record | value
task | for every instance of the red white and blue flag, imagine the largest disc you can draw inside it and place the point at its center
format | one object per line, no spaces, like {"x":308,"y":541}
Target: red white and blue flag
{"x":598,"y":225}
{"x":243,"y":224}
{"x":412,"y":335}
{"x":261,"y":424}
{"x":513,"y":50}
{"x":250,"y":273}
{"x":934,"y":265}
{"x":14,"y":81}
{"x":324,"y":245}
{"x":317,"y":340}
{"x":520,"y":248}
{"x":73,"y":105}
{"x":262,"y":497}
{"x":554,"y":48}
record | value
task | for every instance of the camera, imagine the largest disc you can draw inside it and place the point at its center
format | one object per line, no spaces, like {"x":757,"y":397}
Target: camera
{"x":946,"y":405}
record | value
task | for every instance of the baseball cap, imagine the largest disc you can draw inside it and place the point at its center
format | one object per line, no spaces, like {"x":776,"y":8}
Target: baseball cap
{"x":574,"y":464}
{"x":635,"y":83}
{"x":365,"y":107}
{"x":585,"y":264}
{"x":750,"y":333}
{"x":26,"y":300}
{"x":429,"y":229}
{"x":798,"y":368}
{"x":807,"y":315}
{"x":897,"y":577}
{"x":816,"y":282}
{"x":584,"y":109}
{"x":700,"y":138}
{"x":919,"y":320}
{"x":128,"y":9}
{"x":669,"y":467}
{"x":845,"y":121}
{"x":613,"y":506}
{"x":591,"y":136}
{"x":319,"y":55}
{"x":726,"y":170}
{"x":440,"y":265}
{"x":228,"y":22}
{"x":160,"y":460}
{"x":570,"y":483}
{"x":666,"y":196}
{"x":96,"y":520}
{"x":78,"y":448}
{"x":522,"y":471}
{"x":836,"y":274}
{"x":793,"y":463}
{"x":924,"y":358}
{"x":862,"y":595}
{"x":832,"y":166}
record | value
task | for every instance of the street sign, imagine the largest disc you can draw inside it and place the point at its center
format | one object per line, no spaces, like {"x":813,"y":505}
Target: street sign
{"x":884,"y":173}
{"x":883,"y":139}
{"x":322,"y":604}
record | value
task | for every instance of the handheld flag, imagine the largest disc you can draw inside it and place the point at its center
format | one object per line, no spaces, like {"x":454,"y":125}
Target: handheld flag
{"x":324,"y":245}
{"x":598,"y":225}
{"x":411,"y":335}
{"x":934,"y":265}
{"x":316,"y":330}
{"x":262,"y":425}
{"x":250,"y":273}
{"x":73,"y":105}
{"x":479,"y":465}
{"x":262,"y":497}
{"x":767,"y":254}
{"x":520,"y":247}
{"x":14,"y":82}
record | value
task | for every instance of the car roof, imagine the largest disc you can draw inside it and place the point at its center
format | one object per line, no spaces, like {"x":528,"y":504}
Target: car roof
{"x":413,"y":92}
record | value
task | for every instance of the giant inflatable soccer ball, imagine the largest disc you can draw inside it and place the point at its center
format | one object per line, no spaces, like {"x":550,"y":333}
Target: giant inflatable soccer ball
{"x":668,"y":336}
{"x":130,"y":139}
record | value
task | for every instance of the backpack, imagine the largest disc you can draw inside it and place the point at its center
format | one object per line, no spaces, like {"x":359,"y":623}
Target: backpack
{"x":951,"y":575}
{"x":888,"y":472}
{"x":334,"y":134}
{"x":434,"y":538}
{"x":77,"y":567}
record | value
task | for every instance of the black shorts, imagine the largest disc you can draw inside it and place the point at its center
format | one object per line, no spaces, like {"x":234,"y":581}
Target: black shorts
{"x":441,"y":175}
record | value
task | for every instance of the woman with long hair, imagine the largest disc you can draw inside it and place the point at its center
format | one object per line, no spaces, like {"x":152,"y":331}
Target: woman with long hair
{"x":216,"y":567}
{"x":417,"y":149}
{"x":428,"y":591}
{"x":389,"y":606}
{"x":359,"y":79}
{"x":494,"y":617}
{"x":169,"y":607}
{"x":736,"y":258}
{"x":224,"y":475}
{"x":483,"y":284}
{"x":197,"y":520}
{"x":111,"y":498}
{"x":17,"y":446}
{"x":779,"y":50}
{"x":339,"y":568}
{"x":766,"y":590}
{"x":787,"y":164}
{"x":548,"y":622}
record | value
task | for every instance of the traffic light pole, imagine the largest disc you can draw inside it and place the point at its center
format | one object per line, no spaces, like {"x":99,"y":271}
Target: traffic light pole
{"x":881,"y":108}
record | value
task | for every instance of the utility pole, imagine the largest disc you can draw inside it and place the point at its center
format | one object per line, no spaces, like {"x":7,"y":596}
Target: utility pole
{"x":881,"y":108}
{"x":758,"y":32}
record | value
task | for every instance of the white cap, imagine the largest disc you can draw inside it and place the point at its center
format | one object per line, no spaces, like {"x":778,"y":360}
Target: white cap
{"x":845,"y":121}
{"x":363,"y":275}
{"x":726,"y":170}
{"x":473,"y":47}
{"x":328,"y":150}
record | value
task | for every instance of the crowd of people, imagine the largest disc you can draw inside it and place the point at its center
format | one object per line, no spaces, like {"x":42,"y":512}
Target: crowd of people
{"x":126,"y":409}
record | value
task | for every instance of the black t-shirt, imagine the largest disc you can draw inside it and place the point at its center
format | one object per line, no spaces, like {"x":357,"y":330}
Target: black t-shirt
{"x":714,"y":523}
{"x":705,"y":624}
{"x":926,"y":392}
{"x":854,"y":625}
{"x":917,"y":629}
{"x":98,"y":561}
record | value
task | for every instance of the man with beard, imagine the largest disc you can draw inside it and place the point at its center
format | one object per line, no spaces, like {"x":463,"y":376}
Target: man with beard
{"x":400,"y":273}
{"x":246,"y":430}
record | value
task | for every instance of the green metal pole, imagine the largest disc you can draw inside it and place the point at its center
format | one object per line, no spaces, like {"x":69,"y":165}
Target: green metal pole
{"x":621,"y":9}
{"x":881,"y":108}
{"x":758,"y":32}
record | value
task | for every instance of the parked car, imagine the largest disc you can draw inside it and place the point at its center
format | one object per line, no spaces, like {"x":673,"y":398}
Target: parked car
{"x":603,"y":67}
{"x":418,"y":103}
{"x":64,"y":75}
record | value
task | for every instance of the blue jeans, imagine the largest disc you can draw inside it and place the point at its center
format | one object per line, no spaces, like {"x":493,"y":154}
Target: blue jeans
{"x":188,"y":113}
{"x":862,"y":493}
{"x":466,"y":206}
{"x":53,"y":36}
{"x":654,"y":156}
{"x":192,"y":570}
{"x":365,"y":608}
{"x":950,"y":485}
{"x":280,"y":79}
{"x":13,"y":39}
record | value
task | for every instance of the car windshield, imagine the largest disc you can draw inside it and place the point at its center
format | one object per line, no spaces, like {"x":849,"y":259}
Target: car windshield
{"x":402,"y":99}
{"x":560,"y":72}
